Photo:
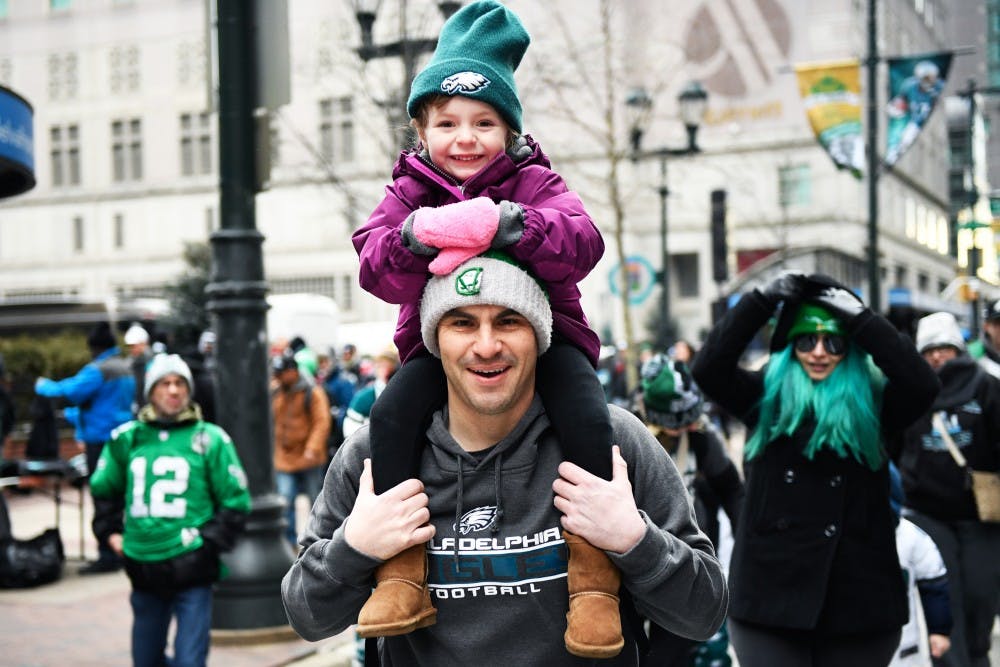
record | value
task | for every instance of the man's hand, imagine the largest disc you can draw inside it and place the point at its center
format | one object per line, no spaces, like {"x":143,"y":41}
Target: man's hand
{"x":601,"y":512}
{"x":115,"y":542}
{"x":383,"y":525}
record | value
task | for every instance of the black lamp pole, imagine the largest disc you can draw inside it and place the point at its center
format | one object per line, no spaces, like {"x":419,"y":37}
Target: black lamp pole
{"x":408,"y":50}
{"x":250,"y":597}
{"x":638,"y":101}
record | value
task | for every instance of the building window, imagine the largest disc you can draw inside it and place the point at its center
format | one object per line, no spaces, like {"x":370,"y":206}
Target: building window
{"x":118,"y":230}
{"x":346,"y":296}
{"x":60,"y":5}
{"x":63,"y":77}
{"x":196,"y":144}
{"x":685,"y":274}
{"x":126,"y":150}
{"x":78,"y":234}
{"x":65,"y":151}
{"x":794,"y":185}
{"x":336,"y":129}
{"x":3,"y":9}
{"x":6,"y":69}
{"x":902,"y":276}
{"x":124,"y":69}
{"x":191,"y":63}
{"x":923,"y":281}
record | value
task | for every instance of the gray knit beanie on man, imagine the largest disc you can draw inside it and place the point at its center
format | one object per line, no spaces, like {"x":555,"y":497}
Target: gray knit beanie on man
{"x":492,"y":279}
{"x":163,"y":365}
{"x":939,"y":330}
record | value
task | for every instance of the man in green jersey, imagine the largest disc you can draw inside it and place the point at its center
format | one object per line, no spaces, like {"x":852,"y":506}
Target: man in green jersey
{"x":183,"y":492}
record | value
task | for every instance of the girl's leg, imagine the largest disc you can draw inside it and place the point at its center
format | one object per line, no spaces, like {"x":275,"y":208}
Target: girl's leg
{"x":401,"y":601}
{"x":577,"y":407}
{"x":399,"y":419}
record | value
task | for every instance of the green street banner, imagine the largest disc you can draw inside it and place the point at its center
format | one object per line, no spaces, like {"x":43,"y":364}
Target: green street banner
{"x":915,"y":84}
{"x":831,"y":94}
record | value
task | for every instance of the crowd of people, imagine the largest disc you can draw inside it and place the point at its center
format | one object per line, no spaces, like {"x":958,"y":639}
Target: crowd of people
{"x":489,"y":490}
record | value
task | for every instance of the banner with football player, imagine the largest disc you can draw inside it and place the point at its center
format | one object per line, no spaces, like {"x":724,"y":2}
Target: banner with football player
{"x":915,"y":84}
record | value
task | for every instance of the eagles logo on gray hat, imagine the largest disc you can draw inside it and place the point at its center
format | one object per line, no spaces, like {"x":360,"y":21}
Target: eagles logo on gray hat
{"x":491,"y":279}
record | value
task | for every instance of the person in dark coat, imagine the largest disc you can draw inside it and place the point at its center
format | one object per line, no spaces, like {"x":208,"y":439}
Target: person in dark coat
{"x":673,"y":409}
{"x":938,"y":496}
{"x":815,"y":576}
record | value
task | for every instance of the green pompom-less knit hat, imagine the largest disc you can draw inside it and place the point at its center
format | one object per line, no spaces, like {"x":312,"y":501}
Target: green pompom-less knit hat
{"x":477,"y":52}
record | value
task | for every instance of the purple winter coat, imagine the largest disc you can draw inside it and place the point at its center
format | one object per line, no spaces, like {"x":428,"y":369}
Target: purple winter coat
{"x":560,"y":243}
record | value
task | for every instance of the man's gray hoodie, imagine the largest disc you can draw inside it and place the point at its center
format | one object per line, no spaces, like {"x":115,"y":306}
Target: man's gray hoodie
{"x":497,"y":563}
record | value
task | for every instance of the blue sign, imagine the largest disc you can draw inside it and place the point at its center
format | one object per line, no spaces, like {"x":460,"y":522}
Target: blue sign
{"x":17,"y":155}
{"x":640,"y":276}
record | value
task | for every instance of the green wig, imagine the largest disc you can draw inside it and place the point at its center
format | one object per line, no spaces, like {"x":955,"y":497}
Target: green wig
{"x":845,"y":407}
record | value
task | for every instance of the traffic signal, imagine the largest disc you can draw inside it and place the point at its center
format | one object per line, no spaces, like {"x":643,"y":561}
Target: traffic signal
{"x":720,"y":267}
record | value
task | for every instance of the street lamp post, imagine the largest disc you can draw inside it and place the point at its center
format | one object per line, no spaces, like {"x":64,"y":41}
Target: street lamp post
{"x":406,"y":48}
{"x":692,"y":102}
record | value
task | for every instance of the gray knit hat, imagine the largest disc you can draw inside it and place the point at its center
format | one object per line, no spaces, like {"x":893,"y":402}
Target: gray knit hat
{"x":163,"y":365}
{"x":492,"y":279}
{"x":939,"y":330}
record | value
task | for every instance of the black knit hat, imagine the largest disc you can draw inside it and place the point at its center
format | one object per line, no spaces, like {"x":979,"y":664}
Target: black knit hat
{"x":100,"y":337}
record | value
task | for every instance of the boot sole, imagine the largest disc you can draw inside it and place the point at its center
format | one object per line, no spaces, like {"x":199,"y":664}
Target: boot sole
{"x":422,"y":620}
{"x":591,"y":651}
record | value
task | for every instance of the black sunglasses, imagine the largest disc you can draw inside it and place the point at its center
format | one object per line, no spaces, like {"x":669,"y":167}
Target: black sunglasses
{"x":833,"y":344}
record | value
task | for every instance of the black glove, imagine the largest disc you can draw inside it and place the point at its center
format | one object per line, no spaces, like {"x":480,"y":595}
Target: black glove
{"x":840,"y":301}
{"x":410,"y":240}
{"x":786,"y":287}
{"x":511,"y":225}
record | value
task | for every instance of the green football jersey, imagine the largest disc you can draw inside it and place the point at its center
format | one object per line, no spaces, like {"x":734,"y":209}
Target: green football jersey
{"x":173,"y":480}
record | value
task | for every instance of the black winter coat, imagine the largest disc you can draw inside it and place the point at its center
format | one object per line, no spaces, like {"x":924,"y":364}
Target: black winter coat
{"x":933,"y":482}
{"x":815,"y":546}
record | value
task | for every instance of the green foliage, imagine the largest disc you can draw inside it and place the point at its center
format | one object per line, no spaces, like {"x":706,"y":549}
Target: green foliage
{"x":188,"y":315}
{"x":28,"y":357}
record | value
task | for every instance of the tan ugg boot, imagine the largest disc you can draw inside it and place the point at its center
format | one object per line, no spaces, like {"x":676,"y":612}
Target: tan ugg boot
{"x":593,"y":624}
{"x":401,"y":602}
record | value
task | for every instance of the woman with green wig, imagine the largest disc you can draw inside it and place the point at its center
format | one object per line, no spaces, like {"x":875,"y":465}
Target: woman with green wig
{"x":814,"y":577}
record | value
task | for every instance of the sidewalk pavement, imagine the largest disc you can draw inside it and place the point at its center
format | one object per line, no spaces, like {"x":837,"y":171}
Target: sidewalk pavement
{"x":86,"y":620}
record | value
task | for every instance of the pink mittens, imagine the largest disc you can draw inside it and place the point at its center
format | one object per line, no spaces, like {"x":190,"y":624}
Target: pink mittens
{"x":461,"y":230}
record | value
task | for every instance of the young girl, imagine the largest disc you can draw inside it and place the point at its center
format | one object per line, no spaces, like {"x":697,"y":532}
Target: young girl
{"x":476,"y":183}
{"x":814,"y":576}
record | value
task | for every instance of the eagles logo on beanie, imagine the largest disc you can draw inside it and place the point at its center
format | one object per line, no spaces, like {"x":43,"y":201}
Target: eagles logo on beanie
{"x":491,"y":279}
{"x":670,"y":396}
{"x":477,"y":52}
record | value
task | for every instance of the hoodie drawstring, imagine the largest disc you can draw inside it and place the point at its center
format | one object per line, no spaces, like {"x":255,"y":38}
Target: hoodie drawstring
{"x":458,"y":509}
{"x":496,"y":494}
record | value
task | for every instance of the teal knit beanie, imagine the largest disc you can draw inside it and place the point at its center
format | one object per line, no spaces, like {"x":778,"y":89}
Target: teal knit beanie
{"x":477,"y":52}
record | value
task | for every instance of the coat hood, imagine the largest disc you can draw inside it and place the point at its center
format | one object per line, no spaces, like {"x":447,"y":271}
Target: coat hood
{"x":959,"y":381}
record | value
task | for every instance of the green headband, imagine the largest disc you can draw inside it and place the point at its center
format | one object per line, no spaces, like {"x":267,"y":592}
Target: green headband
{"x":815,"y":319}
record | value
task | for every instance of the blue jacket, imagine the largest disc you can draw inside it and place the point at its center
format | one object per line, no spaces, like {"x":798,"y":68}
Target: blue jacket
{"x":103,"y":390}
